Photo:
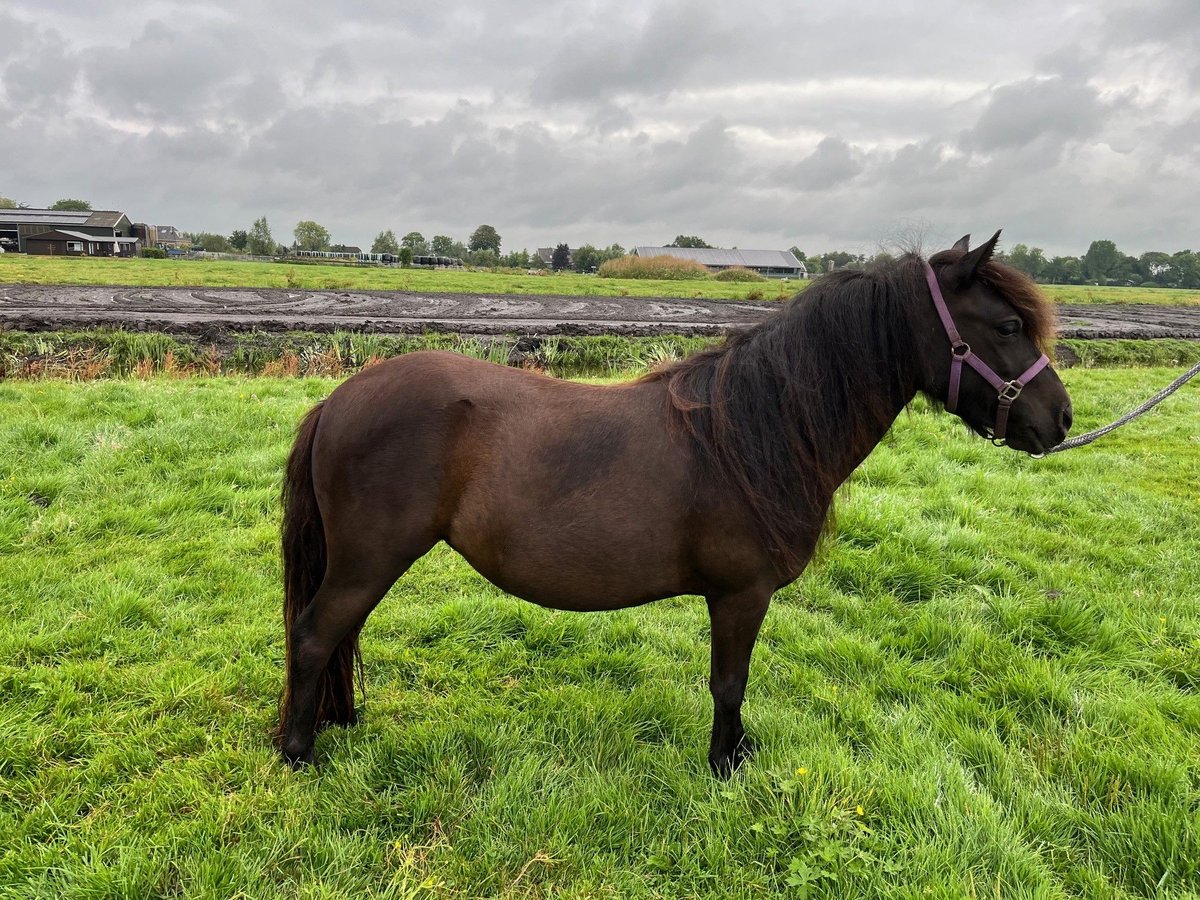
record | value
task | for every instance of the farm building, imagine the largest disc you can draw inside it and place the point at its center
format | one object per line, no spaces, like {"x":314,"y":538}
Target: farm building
{"x":61,"y":242}
{"x":100,"y":226}
{"x":770,"y":263}
{"x":546,"y":255}
{"x":168,"y":237}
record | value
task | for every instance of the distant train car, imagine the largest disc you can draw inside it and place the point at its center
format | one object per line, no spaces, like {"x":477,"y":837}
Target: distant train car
{"x":378,"y":259}
{"x":426,"y":261}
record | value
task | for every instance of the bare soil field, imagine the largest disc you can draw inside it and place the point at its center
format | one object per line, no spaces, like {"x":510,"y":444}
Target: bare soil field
{"x":205,"y":311}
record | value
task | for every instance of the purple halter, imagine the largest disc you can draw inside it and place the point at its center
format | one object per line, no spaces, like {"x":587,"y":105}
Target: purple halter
{"x":960,"y":352}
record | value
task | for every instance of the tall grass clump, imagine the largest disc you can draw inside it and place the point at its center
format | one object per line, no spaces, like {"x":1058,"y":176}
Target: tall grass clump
{"x":1159,"y":352}
{"x":663,"y":268}
{"x":738,"y":273}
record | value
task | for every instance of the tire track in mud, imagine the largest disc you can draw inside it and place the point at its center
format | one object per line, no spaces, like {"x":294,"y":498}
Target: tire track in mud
{"x":208,"y":311}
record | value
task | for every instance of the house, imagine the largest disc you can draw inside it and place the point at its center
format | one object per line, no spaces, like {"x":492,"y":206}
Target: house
{"x":546,"y":255}
{"x":769,"y":263}
{"x":16,"y":225}
{"x":63,"y":242}
{"x":169,"y":238}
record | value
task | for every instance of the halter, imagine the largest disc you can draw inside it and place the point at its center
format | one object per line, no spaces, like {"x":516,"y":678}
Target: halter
{"x":960,"y":352}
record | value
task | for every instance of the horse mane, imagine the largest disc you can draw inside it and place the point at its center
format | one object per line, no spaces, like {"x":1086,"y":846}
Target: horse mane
{"x":778,"y":409}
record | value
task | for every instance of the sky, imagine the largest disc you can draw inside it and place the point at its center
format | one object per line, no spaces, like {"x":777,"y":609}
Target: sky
{"x":823,"y":125}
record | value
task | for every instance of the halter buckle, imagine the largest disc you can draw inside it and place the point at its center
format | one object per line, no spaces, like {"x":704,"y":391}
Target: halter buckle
{"x":1011,"y":391}
{"x":961,"y":350}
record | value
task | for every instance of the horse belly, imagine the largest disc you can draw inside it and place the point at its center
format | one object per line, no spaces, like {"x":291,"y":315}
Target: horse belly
{"x":575,"y":564}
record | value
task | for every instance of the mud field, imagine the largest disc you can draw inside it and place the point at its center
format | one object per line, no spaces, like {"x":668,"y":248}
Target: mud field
{"x":205,"y":312}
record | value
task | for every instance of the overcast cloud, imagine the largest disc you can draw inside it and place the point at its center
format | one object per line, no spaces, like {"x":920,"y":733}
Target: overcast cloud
{"x":823,"y":124}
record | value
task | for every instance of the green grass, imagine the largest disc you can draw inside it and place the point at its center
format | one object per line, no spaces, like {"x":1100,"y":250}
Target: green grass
{"x":1157,"y":352}
{"x":1091,"y":293}
{"x":997,"y":660}
{"x":23,"y":269}
{"x":16,"y":268}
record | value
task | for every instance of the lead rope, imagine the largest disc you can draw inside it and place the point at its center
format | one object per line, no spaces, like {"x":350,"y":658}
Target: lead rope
{"x":1158,"y":398}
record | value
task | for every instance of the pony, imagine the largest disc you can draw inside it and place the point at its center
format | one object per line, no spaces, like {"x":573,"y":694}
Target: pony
{"x":712,"y":476}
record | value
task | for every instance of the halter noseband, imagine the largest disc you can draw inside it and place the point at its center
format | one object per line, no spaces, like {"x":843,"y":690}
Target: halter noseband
{"x":960,"y":352}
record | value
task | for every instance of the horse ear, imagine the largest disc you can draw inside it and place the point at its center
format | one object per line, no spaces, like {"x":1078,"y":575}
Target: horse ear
{"x":964,"y":271}
{"x":963,"y":243}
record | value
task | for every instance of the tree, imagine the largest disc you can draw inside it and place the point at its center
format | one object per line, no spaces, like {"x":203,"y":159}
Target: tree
{"x":1157,"y":267}
{"x":385,"y":242}
{"x":1031,"y":262}
{"x":516,"y":259}
{"x":415,"y":241}
{"x":6,"y":203}
{"x":612,"y":251}
{"x":311,"y":236}
{"x":1064,"y":270}
{"x":836,"y":259}
{"x":483,"y":259}
{"x":690,"y":240}
{"x":1101,"y":260}
{"x":69,"y":203}
{"x":406,"y":256}
{"x":443,"y":245}
{"x":213,"y":243}
{"x":261,"y":243}
{"x":485,"y":237}
{"x":586,"y":258}
{"x":1187,"y":264}
{"x":238,"y":239}
{"x":561,"y":259}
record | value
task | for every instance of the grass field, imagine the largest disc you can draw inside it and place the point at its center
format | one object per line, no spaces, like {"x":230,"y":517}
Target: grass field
{"x":23,"y":269}
{"x":986,"y":688}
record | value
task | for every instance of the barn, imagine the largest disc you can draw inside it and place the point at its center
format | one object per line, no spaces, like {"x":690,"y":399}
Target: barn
{"x":768,"y":263}
{"x":61,"y":242}
{"x":101,"y":227}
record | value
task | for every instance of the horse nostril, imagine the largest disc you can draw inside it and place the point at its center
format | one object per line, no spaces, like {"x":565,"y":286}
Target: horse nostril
{"x":1067,"y":419}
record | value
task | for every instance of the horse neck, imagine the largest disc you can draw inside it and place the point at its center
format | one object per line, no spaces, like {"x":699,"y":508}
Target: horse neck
{"x":871,"y":372}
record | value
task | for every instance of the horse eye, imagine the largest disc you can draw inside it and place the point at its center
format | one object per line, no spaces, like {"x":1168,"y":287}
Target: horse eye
{"x":1009,"y":328}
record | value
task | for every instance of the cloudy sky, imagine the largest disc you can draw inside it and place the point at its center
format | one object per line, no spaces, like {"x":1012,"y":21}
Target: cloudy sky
{"x":820,"y":124}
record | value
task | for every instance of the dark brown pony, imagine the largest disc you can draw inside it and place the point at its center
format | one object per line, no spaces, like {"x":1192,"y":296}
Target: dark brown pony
{"x":712,"y":476}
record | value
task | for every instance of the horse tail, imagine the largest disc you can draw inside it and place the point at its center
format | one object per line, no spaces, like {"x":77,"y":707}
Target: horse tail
{"x":304,"y":562}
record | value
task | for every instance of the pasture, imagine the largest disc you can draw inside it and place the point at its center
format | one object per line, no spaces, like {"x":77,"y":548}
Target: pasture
{"x":24,"y":269}
{"x":986,"y":686}
{"x":221,"y":273}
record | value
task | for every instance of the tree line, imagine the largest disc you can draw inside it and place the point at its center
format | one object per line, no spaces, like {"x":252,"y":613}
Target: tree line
{"x":1103,"y":263}
{"x":481,"y":249}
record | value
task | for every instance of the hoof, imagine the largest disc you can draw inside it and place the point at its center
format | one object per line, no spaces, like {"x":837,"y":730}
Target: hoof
{"x":723,"y":765}
{"x":299,"y":759}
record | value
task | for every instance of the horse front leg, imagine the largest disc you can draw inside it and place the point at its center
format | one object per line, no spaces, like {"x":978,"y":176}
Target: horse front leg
{"x":736,"y":618}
